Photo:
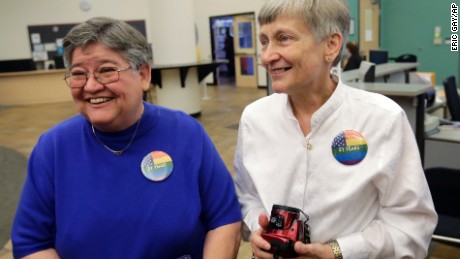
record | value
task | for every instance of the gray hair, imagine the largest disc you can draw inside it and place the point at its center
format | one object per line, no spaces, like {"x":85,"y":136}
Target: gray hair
{"x":322,"y":17}
{"x":114,"y":34}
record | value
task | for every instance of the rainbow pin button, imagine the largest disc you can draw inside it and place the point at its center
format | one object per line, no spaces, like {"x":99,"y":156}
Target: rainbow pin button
{"x":349,"y":147}
{"x":157,"y":166}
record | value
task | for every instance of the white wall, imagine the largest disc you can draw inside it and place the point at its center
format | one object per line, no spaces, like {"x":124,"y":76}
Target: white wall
{"x":16,"y":15}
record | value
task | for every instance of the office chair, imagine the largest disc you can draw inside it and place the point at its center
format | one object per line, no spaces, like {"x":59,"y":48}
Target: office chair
{"x":444,"y":185}
{"x":452,"y":98}
{"x":367,"y":71}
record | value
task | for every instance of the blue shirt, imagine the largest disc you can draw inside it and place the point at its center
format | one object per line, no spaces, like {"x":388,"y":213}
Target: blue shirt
{"x":85,"y":202}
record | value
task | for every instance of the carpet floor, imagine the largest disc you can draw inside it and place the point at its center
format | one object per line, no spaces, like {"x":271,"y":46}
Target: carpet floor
{"x":13,"y":166}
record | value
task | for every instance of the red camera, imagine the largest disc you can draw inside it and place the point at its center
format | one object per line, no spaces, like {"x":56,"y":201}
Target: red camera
{"x":286,"y":228}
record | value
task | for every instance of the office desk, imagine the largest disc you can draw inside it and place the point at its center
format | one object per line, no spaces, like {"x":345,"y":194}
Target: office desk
{"x":442,"y":148}
{"x":395,"y":71}
{"x":410,"y":97}
{"x":33,"y":87}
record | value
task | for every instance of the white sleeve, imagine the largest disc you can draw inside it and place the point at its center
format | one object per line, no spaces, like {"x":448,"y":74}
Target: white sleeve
{"x":251,"y":205}
{"x":406,"y":220}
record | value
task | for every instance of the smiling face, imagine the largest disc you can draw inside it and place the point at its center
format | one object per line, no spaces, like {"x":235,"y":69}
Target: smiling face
{"x":292,"y":57}
{"x":114,"y":106}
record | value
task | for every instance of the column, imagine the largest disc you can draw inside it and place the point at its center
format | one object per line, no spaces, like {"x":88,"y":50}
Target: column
{"x":173,"y":43}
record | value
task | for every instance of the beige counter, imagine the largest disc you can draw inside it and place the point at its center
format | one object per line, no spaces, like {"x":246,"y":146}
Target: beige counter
{"x":441,"y":149}
{"x":33,"y":87}
{"x":394,"y":72}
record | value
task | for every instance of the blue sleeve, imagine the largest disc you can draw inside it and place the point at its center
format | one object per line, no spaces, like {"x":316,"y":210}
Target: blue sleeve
{"x":217,"y":191}
{"x":34,"y":224}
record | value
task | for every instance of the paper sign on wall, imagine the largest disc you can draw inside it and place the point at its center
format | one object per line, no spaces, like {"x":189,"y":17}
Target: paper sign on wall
{"x":40,"y":55}
{"x":35,"y":38}
{"x":50,"y":47}
{"x":368,"y":35}
{"x":368,"y":24}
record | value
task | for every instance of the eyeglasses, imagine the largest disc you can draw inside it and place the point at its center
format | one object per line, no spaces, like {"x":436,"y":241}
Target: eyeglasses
{"x":104,"y":75}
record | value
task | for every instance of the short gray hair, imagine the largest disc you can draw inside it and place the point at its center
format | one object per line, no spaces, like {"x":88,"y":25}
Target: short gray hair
{"x":114,"y":34}
{"x":322,"y":17}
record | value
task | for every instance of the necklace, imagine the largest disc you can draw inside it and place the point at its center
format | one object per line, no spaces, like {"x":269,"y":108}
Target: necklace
{"x":117,"y":152}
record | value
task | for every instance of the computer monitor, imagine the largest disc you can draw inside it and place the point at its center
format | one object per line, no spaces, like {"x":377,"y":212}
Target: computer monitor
{"x":17,"y":65}
{"x":378,"y":56}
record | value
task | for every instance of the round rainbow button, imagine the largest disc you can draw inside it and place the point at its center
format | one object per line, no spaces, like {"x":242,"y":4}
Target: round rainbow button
{"x":157,"y":166}
{"x":349,"y":147}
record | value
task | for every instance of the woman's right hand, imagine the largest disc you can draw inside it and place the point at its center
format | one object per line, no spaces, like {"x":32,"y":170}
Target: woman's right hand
{"x":259,"y":245}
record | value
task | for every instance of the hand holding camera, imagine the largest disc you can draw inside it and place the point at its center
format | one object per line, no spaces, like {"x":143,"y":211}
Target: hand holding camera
{"x":284,"y":229}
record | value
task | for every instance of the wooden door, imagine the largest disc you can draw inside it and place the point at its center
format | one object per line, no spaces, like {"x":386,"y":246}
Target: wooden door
{"x":245,"y":51}
{"x":369,"y":26}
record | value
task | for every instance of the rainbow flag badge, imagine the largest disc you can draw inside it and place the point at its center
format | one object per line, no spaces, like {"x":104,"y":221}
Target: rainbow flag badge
{"x":349,"y":147}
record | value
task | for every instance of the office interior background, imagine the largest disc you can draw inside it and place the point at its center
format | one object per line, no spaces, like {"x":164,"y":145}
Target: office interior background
{"x":405,"y":26}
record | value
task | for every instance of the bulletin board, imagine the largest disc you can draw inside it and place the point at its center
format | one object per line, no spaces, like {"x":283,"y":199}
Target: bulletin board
{"x":46,"y":40}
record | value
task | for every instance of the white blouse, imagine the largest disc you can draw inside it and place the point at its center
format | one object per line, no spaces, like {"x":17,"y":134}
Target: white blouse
{"x":376,"y":206}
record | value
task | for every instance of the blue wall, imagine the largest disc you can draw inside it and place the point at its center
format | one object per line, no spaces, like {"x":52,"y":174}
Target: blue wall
{"x":354,"y":13}
{"x":408,"y":27}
